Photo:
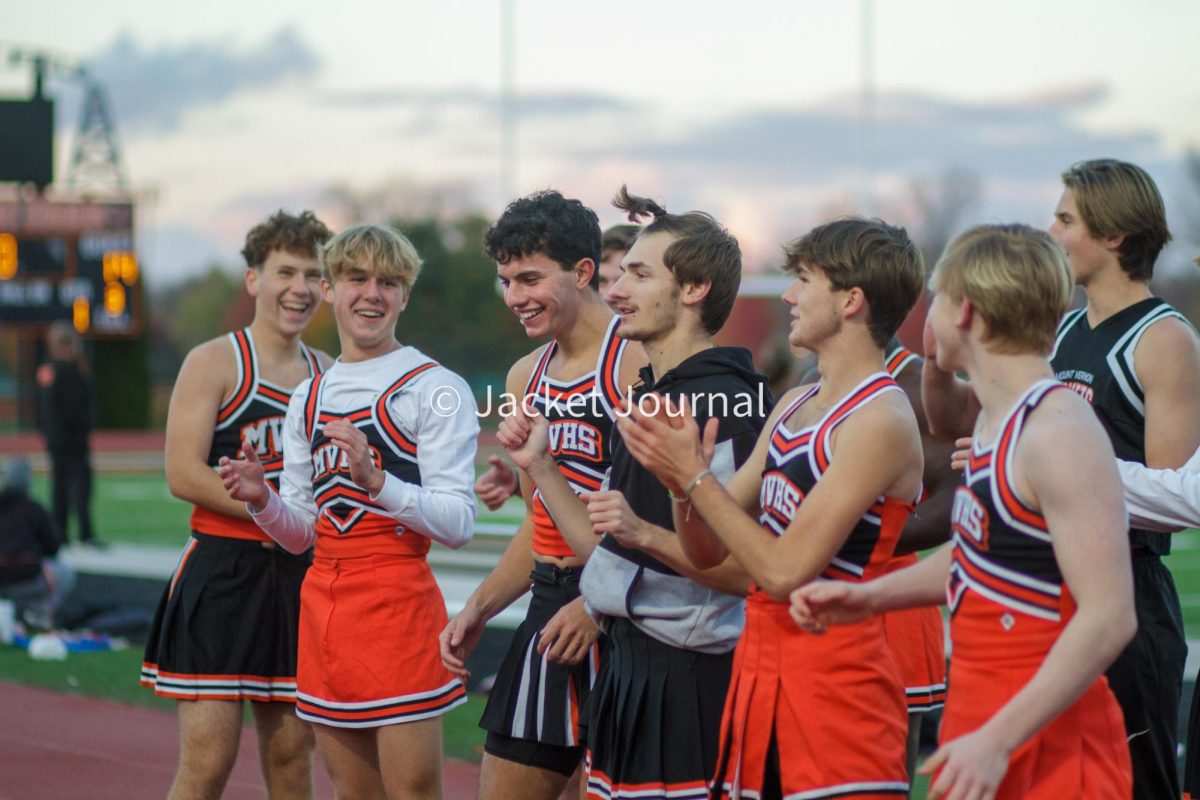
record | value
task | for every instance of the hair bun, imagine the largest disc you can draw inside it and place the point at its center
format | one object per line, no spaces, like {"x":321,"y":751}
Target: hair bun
{"x":637,"y":207}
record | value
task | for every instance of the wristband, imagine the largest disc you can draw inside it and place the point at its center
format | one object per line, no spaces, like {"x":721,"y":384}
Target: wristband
{"x":691,"y":487}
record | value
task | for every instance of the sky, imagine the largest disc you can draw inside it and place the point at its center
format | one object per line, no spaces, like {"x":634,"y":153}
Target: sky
{"x":753,"y":111}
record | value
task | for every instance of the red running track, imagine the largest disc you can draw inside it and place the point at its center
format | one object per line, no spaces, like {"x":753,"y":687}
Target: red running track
{"x":64,"y":747}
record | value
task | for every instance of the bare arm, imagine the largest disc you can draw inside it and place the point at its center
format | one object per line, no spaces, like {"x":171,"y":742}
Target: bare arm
{"x":929,"y":525}
{"x":508,"y":581}
{"x":872,"y":453}
{"x":526,"y":439}
{"x":817,"y":605}
{"x":875,"y":448}
{"x":497,"y":484}
{"x":950,"y":404}
{"x":567,"y":509}
{"x":670,"y":446}
{"x":703,"y":548}
{"x":205,"y":379}
{"x":510,"y":578}
{"x":1083,"y":510}
{"x":609,"y":512}
{"x":1167,"y":363}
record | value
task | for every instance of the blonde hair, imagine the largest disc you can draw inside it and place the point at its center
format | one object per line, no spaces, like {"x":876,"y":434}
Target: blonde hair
{"x":385,"y":251}
{"x":1016,"y":277}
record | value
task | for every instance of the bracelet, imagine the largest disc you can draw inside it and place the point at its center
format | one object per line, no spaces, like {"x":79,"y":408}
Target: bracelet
{"x":691,"y":487}
{"x":687,"y":492}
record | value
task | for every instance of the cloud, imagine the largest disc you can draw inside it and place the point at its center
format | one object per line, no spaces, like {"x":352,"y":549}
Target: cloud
{"x":776,"y":170}
{"x":525,"y":104}
{"x":1021,"y":139}
{"x":154,"y":89}
{"x":175,"y":249}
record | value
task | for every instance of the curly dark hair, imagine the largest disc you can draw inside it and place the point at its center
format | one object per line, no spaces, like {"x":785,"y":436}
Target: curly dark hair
{"x":302,"y":235}
{"x":564,"y":230}
{"x":703,"y":252}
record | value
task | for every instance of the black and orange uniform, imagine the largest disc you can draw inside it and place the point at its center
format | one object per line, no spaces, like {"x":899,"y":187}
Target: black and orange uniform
{"x":370,"y":609}
{"x":1147,"y":678}
{"x":1008,"y":605}
{"x":225,"y":628}
{"x":816,"y":716}
{"x":916,"y":636}
{"x":533,"y":712}
{"x":581,"y":414}
{"x":655,"y":713}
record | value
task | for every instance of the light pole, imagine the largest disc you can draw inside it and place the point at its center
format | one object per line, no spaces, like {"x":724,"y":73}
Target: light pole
{"x":866,"y":108}
{"x":508,"y":111}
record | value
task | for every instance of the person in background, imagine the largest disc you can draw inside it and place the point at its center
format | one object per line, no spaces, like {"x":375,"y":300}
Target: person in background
{"x":614,"y":244}
{"x":66,"y":416}
{"x":30,"y":575}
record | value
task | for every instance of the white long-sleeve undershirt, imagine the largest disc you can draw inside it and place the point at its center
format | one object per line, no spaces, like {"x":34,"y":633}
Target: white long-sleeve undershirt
{"x":435,"y":409}
{"x":1162,"y":499}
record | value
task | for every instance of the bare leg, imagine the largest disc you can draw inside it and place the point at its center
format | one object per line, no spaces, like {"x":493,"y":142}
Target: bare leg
{"x":285,"y":745}
{"x":410,"y":755}
{"x":352,"y":758}
{"x":500,"y":779}
{"x":209,"y":734}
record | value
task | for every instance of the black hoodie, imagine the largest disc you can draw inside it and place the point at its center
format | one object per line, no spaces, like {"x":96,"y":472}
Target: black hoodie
{"x":720,"y":382}
{"x":704,"y":378}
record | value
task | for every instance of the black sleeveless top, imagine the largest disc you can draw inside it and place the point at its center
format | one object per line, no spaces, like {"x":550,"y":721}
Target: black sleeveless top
{"x":1098,"y":364}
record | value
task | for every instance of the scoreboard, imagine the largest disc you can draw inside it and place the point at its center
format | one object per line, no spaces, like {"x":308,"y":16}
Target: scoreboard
{"x":71,"y":261}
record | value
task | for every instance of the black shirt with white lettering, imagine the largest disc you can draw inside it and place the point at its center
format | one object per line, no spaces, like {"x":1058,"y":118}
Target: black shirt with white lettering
{"x":1098,"y":364}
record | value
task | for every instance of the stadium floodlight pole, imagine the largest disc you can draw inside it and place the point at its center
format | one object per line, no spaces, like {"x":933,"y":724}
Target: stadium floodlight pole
{"x":96,"y":166}
{"x":508,"y":111}
{"x":866,"y":108}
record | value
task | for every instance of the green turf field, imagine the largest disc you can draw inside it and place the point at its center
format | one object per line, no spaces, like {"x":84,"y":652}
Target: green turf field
{"x":1184,"y":563}
{"x":132,"y":507}
{"x":137,"y":508}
